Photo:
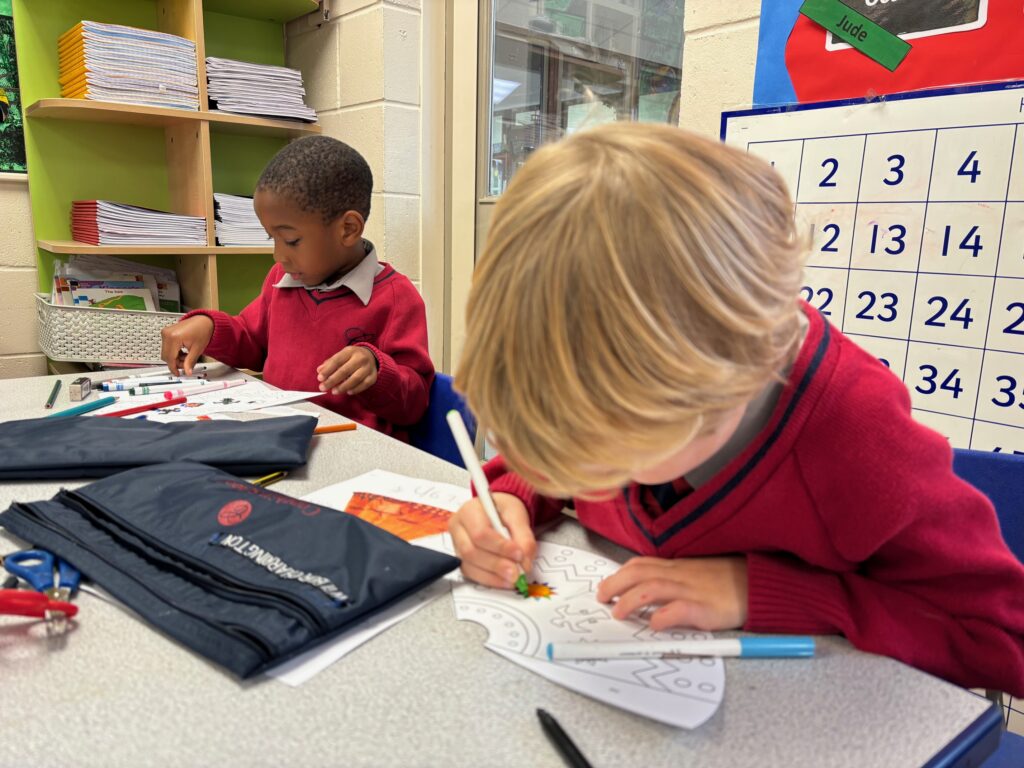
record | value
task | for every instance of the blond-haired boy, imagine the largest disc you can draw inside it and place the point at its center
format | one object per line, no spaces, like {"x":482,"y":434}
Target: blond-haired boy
{"x":636,"y":345}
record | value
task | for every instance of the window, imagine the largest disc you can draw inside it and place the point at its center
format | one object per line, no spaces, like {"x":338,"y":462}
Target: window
{"x":558,"y":66}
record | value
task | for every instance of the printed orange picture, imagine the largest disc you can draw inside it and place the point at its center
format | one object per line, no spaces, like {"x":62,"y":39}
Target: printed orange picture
{"x":407,"y":520}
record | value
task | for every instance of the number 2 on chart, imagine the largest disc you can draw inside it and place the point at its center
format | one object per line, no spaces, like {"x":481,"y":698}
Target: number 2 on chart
{"x":827,"y":181}
{"x":808,"y":293}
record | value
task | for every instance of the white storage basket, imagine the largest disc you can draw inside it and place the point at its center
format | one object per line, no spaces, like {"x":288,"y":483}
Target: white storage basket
{"x":90,"y":335}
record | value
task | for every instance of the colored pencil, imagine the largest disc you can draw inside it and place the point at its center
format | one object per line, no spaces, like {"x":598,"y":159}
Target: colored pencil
{"x":270,"y":479}
{"x":102,"y":402}
{"x":146,"y":407}
{"x":53,"y":394}
{"x":348,"y":427}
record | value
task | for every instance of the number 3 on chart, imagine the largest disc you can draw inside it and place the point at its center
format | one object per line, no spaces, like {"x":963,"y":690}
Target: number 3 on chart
{"x":1009,"y":390}
{"x":896,"y":169}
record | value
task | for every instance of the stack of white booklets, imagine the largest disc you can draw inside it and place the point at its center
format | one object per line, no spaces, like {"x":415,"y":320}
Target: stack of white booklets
{"x":236,"y":221}
{"x":101,"y":222}
{"x":257,"y":89}
{"x":110,"y":62}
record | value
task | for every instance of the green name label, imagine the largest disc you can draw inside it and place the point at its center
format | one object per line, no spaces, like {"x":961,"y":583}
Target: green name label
{"x":857,"y":30}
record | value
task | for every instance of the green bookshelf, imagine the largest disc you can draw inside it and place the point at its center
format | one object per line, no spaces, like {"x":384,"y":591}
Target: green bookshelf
{"x":154,"y":157}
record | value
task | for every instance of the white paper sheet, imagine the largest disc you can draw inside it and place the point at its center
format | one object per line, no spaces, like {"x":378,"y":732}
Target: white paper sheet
{"x":563,"y":608}
{"x":248,"y":397}
{"x":444,"y":495}
{"x":389,"y":485}
{"x":305,"y":667}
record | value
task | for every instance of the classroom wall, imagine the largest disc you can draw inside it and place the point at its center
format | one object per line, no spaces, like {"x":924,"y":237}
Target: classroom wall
{"x":362,"y":70}
{"x":19,"y":352}
{"x":719,"y":51}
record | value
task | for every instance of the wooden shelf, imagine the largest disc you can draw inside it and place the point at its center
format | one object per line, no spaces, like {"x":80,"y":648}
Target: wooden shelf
{"x":166,"y":159}
{"x":72,"y":246}
{"x":278,"y":11}
{"x":163,"y":117}
{"x":222,"y":122}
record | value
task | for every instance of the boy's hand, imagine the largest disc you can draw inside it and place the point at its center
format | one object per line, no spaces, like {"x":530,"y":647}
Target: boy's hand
{"x":191,"y":335}
{"x":488,"y":557}
{"x":706,"y":593}
{"x":351,"y":371}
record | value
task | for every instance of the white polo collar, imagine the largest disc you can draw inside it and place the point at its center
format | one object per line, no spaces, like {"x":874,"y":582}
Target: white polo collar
{"x":359,"y":279}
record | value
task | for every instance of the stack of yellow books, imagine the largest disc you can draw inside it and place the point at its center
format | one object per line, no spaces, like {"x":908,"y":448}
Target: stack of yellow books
{"x":110,"y":62}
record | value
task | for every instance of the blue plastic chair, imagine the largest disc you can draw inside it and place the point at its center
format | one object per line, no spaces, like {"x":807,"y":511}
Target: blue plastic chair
{"x":1000,"y":476}
{"x":432,"y":434}
{"x":1010,"y":753}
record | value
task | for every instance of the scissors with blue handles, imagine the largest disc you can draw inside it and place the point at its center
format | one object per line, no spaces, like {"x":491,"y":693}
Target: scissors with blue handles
{"x":37,"y":567}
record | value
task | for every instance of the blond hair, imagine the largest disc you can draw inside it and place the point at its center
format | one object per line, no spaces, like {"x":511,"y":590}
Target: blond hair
{"x":637,"y":283}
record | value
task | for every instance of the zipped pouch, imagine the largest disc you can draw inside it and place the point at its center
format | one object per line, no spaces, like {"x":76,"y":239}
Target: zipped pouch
{"x":244,"y":576}
{"x":93,"y":446}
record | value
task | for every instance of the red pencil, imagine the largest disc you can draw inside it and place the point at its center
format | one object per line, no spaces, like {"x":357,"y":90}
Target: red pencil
{"x":149,"y":407}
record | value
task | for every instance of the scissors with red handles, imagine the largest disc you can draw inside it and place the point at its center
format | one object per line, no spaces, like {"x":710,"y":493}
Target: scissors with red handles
{"x":51,"y":597}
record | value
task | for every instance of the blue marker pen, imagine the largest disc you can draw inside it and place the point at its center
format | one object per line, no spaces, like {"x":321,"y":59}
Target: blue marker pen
{"x":779,"y":646}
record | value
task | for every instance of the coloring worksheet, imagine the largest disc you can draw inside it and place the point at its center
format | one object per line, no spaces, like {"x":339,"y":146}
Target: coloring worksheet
{"x":248,"y":397}
{"x":914,"y":204}
{"x":562,"y":607}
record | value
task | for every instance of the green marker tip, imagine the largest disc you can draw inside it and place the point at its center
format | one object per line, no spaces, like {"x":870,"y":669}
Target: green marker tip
{"x":521,"y":586}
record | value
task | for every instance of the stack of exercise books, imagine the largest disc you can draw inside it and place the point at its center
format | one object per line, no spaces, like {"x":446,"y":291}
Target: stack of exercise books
{"x":110,"y":62}
{"x":257,"y":89}
{"x":83,"y":281}
{"x":236,"y":221}
{"x":101,"y":222}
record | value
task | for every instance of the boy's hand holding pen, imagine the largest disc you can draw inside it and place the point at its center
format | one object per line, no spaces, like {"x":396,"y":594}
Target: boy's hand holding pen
{"x":491,"y":534}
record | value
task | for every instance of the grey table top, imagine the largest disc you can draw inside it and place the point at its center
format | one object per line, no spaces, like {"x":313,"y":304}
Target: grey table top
{"x":426,"y":692}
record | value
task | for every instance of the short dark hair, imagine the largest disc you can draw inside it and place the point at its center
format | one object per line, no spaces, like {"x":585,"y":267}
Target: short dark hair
{"x":322,"y":175}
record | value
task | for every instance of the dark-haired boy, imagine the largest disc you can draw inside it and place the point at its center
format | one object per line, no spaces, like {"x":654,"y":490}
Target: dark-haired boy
{"x":330,"y":317}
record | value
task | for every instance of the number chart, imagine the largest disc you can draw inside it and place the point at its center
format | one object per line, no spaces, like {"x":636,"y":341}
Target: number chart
{"x":914,"y":209}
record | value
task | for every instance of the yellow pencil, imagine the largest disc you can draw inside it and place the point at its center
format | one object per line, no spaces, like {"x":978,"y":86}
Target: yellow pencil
{"x":273,"y":477}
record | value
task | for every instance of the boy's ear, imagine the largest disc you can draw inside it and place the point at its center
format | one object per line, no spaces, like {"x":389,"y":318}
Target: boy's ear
{"x":349,"y":227}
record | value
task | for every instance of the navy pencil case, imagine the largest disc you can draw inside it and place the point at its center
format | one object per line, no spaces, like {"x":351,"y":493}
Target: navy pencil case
{"x":92,"y":446}
{"x":244,"y":576}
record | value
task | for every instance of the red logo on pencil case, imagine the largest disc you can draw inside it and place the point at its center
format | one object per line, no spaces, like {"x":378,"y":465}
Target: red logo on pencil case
{"x":234,"y":512}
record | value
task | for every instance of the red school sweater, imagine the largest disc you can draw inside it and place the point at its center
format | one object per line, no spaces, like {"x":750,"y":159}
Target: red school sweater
{"x":851,"y":520}
{"x":288,"y":332}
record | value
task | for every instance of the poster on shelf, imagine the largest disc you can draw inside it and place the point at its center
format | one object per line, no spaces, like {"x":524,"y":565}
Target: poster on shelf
{"x":954,"y":43}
